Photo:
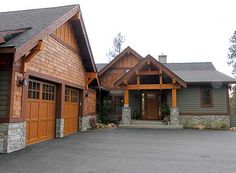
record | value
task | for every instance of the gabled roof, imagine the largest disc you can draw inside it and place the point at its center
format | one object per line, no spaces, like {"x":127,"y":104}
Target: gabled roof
{"x":154,"y":62}
{"x":42,"y":22}
{"x":118,"y":57}
{"x":196,"y":72}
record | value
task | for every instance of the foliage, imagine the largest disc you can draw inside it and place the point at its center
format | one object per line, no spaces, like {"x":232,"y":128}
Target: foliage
{"x":117,"y":46}
{"x":232,"y":53}
{"x":165,"y":110}
{"x":105,"y":108}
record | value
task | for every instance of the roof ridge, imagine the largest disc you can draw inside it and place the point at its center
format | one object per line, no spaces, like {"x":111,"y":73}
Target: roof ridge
{"x":32,"y":9}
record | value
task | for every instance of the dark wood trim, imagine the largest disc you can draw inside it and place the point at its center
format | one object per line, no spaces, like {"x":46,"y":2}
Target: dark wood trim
{"x":203,"y":113}
{"x":201,"y":97}
{"x":7,"y":50}
{"x":120,"y":68}
{"x":53,"y":79}
{"x":81,"y":102}
{"x":24,"y":97}
{"x":64,"y":43}
{"x":11,"y":119}
{"x":60,"y":102}
{"x":127,"y":50}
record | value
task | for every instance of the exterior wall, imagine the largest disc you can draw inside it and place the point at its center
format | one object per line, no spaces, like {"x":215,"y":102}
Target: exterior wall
{"x":205,"y":121}
{"x":117,"y":70}
{"x":17,"y":97}
{"x":90,"y":103}
{"x":58,"y":61}
{"x":189,"y":101}
{"x":4,"y":83}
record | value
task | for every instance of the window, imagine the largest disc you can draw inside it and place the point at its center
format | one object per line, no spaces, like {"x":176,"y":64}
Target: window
{"x":33,"y":90}
{"x":206,"y":97}
{"x":48,"y":92}
{"x":74,"y":96}
{"x":71,"y":95}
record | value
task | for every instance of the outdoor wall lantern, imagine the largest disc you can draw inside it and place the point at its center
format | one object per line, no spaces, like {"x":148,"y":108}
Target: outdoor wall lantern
{"x":22,"y":82}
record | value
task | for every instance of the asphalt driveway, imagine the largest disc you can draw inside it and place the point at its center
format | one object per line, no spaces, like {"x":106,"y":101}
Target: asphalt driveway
{"x":128,"y":151}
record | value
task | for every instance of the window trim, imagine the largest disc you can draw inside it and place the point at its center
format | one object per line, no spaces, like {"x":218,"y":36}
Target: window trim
{"x":201,"y":97}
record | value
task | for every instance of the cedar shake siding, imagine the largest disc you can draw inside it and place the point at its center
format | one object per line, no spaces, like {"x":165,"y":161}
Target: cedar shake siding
{"x":58,"y":61}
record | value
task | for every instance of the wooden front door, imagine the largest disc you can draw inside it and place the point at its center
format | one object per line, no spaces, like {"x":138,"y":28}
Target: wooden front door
{"x":40,"y":112}
{"x":151,"y":105}
{"x":71,"y":111}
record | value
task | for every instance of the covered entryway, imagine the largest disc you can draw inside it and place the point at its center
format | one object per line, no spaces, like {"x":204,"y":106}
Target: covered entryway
{"x":40,"y":112}
{"x":156,"y":82}
{"x":71,"y":111}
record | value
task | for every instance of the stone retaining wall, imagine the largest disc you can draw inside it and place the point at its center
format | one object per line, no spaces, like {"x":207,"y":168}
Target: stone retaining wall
{"x":206,"y":121}
{"x":12,"y":136}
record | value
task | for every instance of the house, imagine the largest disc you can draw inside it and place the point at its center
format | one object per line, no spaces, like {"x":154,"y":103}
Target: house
{"x":47,"y":76}
{"x":141,"y":88}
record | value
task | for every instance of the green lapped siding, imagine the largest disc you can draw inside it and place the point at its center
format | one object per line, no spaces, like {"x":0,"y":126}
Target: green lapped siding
{"x":4,"y":77}
{"x":189,"y":100}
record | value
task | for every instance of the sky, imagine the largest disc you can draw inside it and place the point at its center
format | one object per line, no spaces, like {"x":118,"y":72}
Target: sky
{"x":184,"y":30}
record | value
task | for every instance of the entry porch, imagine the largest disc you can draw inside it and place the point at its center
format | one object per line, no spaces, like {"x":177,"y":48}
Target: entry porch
{"x":150,"y":94}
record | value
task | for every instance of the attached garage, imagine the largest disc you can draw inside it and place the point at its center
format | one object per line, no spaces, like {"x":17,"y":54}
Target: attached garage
{"x":71,"y":111}
{"x":53,"y":57}
{"x":40,"y":114}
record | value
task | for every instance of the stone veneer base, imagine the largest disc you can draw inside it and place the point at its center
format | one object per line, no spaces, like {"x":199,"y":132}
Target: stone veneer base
{"x":174,"y":116}
{"x":84,"y":123}
{"x":126,"y":115}
{"x":60,"y":127}
{"x":12,"y":136}
{"x":209,"y":121}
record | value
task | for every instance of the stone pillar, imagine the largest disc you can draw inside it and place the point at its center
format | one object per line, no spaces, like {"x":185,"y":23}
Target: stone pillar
{"x":174,"y":116}
{"x":59,"y":127}
{"x":84,"y":122}
{"x":12,"y":136}
{"x":126,"y":115}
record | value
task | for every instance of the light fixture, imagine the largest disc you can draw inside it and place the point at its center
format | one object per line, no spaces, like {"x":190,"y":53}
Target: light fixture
{"x":22,"y":82}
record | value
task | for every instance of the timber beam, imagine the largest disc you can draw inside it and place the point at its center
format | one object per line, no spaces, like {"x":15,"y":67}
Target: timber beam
{"x":142,"y":73}
{"x":90,"y":76}
{"x":26,"y":59}
{"x":152,"y":86}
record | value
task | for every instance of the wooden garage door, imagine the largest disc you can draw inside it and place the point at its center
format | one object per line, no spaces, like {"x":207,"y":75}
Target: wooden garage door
{"x":40,"y":117}
{"x":71,"y":111}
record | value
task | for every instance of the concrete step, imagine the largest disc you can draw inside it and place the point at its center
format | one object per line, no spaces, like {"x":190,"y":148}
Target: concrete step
{"x":147,"y":122}
{"x":142,"y":126}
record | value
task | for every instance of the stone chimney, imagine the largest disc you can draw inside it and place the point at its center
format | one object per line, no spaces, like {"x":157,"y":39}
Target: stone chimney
{"x":162,"y":58}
